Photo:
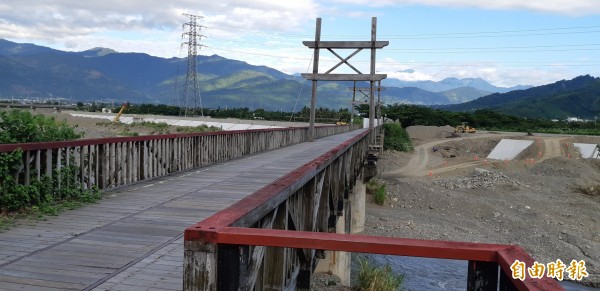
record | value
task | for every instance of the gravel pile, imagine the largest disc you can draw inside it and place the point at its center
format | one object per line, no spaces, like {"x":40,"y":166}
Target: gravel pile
{"x":480,"y":178}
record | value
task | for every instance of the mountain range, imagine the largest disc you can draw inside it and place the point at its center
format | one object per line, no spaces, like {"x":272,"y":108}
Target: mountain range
{"x":102,"y":73}
{"x":578,"y":97}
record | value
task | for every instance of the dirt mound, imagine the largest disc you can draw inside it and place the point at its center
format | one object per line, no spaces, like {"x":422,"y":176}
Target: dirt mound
{"x":421,"y":134}
{"x":586,"y":170}
{"x":481,"y":178}
{"x":469,"y":148}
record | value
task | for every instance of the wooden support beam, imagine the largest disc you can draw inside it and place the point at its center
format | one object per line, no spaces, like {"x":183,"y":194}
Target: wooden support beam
{"x":345,"y":44}
{"x":199,"y":266}
{"x":274,"y":273}
{"x":343,"y":77}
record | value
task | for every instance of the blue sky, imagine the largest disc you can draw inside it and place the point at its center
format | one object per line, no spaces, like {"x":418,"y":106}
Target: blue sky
{"x":506,"y":42}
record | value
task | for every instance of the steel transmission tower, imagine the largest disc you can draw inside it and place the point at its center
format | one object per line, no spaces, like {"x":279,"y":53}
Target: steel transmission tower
{"x":190,"y":101}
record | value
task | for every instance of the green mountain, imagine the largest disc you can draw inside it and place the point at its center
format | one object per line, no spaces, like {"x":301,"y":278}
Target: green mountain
{"x":28,"y":70}
{"x":463,"y":94}
{"x":452,"y":83}
{"x":566,"y":98}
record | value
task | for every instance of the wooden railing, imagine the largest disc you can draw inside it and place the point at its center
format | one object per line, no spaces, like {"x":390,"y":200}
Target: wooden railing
{"x":111,"y":162}
{"x":272,"y":239}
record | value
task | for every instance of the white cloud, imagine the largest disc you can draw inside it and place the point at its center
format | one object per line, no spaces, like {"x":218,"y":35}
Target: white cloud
{"x":497,"y":74}
{"x":59,"y":21}
{"x":573,"y":7}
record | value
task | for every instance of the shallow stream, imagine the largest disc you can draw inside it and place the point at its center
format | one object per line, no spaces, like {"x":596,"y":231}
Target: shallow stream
{"x":436,"y":274}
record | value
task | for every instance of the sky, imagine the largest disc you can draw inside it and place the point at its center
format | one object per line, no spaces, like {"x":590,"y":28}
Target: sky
{"x":505,"y":42}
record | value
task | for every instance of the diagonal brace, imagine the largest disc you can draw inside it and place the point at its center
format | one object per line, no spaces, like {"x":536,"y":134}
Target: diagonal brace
{"x":344,"y":60}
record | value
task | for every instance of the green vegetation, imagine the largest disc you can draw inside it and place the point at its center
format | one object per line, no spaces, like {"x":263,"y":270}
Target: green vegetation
{"x":378,"y":189}
{"x":380,"y":195}
{"x":396,"y":138}
{"x":373,"y":278}
{"x":6,"y":222}
{"x":128,"y":133}
{"x":17,"y":126}
{"x":155,"y":127}
{"x":559,"y":100}
{"x":200,"y":128}
{"x":485,"y":119}
{"x":50,"y":195}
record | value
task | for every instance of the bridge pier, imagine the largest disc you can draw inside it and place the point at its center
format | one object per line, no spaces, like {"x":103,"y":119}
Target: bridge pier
{"x":337,"y":263}
{"x":358,"y":206}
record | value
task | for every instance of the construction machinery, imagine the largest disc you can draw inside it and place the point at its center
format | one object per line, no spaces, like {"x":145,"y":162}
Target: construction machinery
{"x":124,"y":107}
{"x":464,"y":128}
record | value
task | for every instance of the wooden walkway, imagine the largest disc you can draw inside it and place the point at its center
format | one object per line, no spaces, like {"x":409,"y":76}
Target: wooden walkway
{"x":133,"y":239}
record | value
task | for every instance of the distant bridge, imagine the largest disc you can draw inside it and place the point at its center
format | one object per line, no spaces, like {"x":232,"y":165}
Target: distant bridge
{"x":272,"y":210}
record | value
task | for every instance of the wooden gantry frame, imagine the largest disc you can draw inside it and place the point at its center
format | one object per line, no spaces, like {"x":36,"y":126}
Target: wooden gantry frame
{"x":358,"y":46}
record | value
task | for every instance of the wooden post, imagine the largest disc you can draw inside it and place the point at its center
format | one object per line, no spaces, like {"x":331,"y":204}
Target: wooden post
{"x":313,"y":99}
{"x":103,"y":165}
{"x":58,"y":166}
{"x":352,"y":104}
{"x":49,"y":163}
{"x":372,"y":93}
{"x":275,"y":258}
{"x":482,"y":276}
{"x":199,"y":266}
{"x":232,"y":267}
{"x":27,"y":167}
{"x":38,"y":167}
{"x":505,"y":283}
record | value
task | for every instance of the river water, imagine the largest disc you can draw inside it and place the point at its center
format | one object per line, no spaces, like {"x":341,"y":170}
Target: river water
{"x":437,"y":274}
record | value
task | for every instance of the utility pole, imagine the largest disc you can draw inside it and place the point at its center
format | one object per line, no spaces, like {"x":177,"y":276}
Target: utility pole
{"x":191,"y":102}
{"x":362,"y":90}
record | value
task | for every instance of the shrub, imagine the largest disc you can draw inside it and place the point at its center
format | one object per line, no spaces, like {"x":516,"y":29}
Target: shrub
{"x":200,"y":128}
{"x":378,"y":189}
{"x":396,"y":138}
{"x":380,"y":195}
{"x":43,"y":197}
{"x":373,"y":278}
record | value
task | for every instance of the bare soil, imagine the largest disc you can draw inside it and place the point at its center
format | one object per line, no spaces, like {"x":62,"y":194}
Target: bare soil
{"x":547,"y":200}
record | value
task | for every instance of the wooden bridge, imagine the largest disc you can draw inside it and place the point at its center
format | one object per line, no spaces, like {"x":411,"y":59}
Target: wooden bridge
{"x":272,"y":209}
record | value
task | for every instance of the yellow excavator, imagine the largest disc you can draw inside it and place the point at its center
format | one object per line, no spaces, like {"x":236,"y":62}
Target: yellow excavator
{"x":465,"y":128}
{"x":123,"y":108}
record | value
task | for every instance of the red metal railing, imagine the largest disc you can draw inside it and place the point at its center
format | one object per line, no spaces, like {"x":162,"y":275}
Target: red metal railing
{"x":228,"y":227}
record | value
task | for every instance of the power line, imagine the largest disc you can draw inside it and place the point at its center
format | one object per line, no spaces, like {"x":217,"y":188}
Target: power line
{"x":549,"y":63}
{"x":435,"y":35}
{"x":256,"y":43}
{"x":255,"y":54}
{"x":446,"y":36}
{"x":414,"y":50}
{"x":497,"y":51}
{"x":493,"y":32}
{"x":494,"y":48}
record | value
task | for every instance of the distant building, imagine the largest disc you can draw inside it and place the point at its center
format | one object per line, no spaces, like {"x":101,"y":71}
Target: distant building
{"x":574,"y":119}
